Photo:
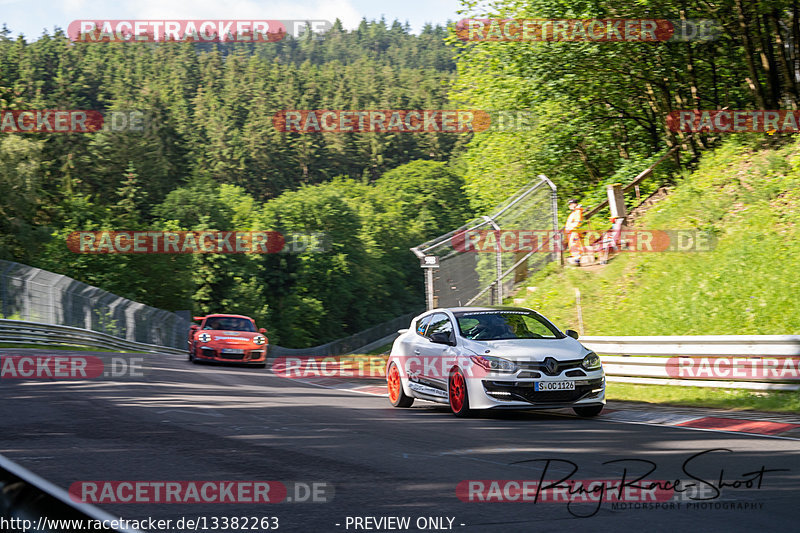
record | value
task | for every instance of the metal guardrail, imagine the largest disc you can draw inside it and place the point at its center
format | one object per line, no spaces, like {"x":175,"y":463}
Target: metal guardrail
{"x":785,"y":345}
{"x":36,"y":295}
{"x":347,"y":344}
{"x":23,"y":332}
{"x":30,"y":503}
{"x":45,"y":308}
{"x":754,"y":362}
{"x":728,"y":360}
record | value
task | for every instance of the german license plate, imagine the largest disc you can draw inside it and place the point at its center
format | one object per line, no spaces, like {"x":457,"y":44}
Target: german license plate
{"x":232,"y":351}
{"x":545,"y":386}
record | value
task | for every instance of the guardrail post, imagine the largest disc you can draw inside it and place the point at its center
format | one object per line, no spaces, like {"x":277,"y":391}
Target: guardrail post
{"x":498,"y":263}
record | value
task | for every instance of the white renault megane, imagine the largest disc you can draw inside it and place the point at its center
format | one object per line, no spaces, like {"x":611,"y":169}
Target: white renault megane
{"x":493,"y":358}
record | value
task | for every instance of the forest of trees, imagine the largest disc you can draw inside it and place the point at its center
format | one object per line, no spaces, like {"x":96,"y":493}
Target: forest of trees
{"x":602,"y":105}
{"x":215,"y":161}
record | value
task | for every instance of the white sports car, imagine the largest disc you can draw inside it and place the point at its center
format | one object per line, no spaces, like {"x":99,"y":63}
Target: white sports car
{"x":493,"y":358}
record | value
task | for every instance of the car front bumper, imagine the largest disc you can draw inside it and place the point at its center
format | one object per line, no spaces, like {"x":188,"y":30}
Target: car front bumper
{"x":504,"y":392}
{"x":257,"y":356}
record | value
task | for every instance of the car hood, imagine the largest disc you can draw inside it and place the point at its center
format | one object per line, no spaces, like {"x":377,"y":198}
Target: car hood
{"x":529,"y":349}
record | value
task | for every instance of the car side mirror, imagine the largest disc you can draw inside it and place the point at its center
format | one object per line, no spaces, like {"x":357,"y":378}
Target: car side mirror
{"x":441,"y":337}
{"x":194,"y":327}
{"x":572,"y":333}
{"x":262,"y":330}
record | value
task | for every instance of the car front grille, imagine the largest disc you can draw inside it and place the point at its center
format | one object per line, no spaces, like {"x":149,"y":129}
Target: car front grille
{"x":231,"y":356}
{"x":540,"y":366}
{"x":524,"y":392}
{"x":248,"y":354}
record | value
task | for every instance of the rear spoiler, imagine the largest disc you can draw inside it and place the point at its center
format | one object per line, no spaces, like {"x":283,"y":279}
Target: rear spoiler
{"x":198,"y":318}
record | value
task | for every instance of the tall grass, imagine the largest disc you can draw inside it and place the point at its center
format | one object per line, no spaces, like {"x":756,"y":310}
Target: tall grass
{"x":749,"y":284}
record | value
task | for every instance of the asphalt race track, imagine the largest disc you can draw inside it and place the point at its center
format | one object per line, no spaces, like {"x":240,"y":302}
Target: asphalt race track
{"x":197,"y":422}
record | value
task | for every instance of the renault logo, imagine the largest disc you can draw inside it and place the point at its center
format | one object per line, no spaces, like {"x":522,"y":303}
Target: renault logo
{"x":550,"y":366}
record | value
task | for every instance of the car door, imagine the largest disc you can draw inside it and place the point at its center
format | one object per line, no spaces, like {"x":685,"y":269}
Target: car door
{"x":433,"y":355}
{"x":408,"y":349}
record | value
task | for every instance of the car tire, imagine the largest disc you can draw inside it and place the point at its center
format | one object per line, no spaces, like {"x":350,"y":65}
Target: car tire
{"x":191,"y":358}
{"x":588,"y":411}
{"x":458,"y":397}
{"x":394,"y":384}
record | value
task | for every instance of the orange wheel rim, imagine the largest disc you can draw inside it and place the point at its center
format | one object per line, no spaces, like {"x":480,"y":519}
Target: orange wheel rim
{"x":393,"y":382}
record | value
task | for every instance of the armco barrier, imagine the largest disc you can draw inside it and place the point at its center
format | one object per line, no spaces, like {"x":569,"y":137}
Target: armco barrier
{"x":36,"y":295}
{"x":346,"y":344}
{"x":26,"y":496}
{"x":724,"y":361}
{"x":48,"y":308}
{"x":728,"y":359}
{"x":23,"y":332}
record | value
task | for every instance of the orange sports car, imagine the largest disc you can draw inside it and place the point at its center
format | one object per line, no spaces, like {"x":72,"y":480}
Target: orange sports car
{"x":227,"y":339}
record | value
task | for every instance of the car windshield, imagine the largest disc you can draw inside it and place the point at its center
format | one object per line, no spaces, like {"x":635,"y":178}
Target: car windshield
{"x":229,"y":324}
{"x":499,"y":325}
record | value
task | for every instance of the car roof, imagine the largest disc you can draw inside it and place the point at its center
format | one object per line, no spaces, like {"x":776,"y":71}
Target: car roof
{"x":462,"y":310}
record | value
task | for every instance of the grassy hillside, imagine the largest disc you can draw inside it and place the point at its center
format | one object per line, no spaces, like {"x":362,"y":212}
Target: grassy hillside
{"x":749,"y":284}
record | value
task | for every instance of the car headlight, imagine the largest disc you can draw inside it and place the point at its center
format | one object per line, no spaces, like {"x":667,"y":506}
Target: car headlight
{"x":259,"y":339}
{"x":591,"y":361}
{"x":204,"y":337}
{"x":494,"y":364}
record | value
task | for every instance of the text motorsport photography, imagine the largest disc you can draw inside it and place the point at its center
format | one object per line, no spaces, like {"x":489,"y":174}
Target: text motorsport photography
{"x":698,"y":487}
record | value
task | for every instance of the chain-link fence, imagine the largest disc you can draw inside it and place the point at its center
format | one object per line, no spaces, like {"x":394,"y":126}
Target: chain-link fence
{"x":28,"y":293}
{"x":468,"y":275}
